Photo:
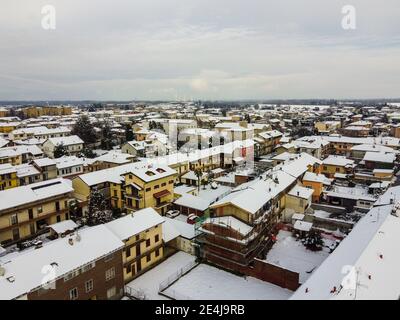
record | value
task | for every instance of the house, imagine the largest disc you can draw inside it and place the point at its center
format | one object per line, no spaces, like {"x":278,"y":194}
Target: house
{"x":358,"y":151}
{"x":179,"y":236}
{"x":85,"y":264}
{"x":47,"y":168}
{"x":28,"y":174}
{"x":269,"y":140}
{"x":355,"y":131}
{"x":355,"y":198}
{"x":141,"y":233}
{"x":40,"y":133}
{"x":327,"y":127}
{"x":69,"y":166}
{"x":337,"y":164}
{"x":379,"y":160}
{"x":19,"y":154}
{"x":26,"y":210}
{"x":110,"y":159}
{"x":8,"y":177}
{"x":316,"y":182}
{"x":7,"y":127}
{"x":188,"y":204}
{"x":298,"y":200}
{"x":191,"y":179}
{"x":138,"y":188}
{"x":73,"y":144}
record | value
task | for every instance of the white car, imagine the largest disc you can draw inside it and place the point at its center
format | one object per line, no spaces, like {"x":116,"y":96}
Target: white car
{"x":172,"y":213}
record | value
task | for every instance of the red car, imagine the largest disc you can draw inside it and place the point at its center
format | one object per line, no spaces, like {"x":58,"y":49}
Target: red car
{"x":191,"y":219}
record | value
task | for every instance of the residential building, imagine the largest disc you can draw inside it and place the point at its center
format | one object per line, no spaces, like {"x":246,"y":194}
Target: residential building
{"x":26,"y":210}
{"x":87,"y":265}
{"x":73,"y":144}
{"x":337,"y":165}
{"x":8,"y":177}
{"x":141,"y":233}
{"x":143,"y":188}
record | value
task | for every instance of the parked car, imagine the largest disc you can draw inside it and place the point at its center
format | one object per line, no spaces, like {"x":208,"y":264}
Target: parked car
{"x":172,"y":213}
{"x":192,"y":218}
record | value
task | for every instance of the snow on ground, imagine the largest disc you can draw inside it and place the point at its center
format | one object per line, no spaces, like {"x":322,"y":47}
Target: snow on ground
{"x":293,"y":255}
{"x":149,"y":282}
{"x":207,"y":282}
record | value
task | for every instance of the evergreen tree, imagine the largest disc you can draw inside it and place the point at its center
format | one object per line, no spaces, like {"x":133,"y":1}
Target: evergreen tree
{"x":99,"y":211}
{"x":84,"y":130}
{"x":199,"y":173}
{"x":129,"y":136}
{"x":73,"y":208}
{"x":106,"y":136}
{"x":88,"y":153}
{"x":60,"y":150}
{"x":313,"y":241}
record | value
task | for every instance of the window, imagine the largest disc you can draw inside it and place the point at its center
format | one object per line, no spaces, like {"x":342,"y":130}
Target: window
{"x":88,"y":267}
{"x":40,"y":209}
{"x":129,"y":268}
{"x":157,"y":252}
{"x":148,"y":243}
{"x":337,"y":169}
{"x":163,"y":184}
{"x":156,"y":238}
{"x":110,"y":274}
{"x":109,"y":257}
{"x":111,"y":292}
{"x":73,"y":294}
{"x":128,"y":252}
{"x":89,"y":285}
{"x":156,"y":187}
{"x":71,"y":275}
{"x":325,"y":168}
{"x":58,"y":218}
{"x":148,"y":189}
{"x":148,"y":257}
{"x":14,"y":219}
{"x":171,"y":181}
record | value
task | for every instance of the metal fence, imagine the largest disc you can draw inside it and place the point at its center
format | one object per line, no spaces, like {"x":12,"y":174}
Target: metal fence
{"x":136,"y":294}
{"x":176,"y":275}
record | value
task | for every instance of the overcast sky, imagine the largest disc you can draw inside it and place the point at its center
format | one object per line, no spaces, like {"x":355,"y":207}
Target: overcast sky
{"x":199,"y":49}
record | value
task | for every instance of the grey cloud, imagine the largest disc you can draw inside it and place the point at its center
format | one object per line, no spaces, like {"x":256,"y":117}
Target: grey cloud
{"x":221,"y":49}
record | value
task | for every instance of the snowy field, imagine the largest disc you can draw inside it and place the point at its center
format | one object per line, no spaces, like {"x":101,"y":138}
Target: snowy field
{"x":149,"y":282}
{"x":292,"y":255}
{"x":207,"y":282}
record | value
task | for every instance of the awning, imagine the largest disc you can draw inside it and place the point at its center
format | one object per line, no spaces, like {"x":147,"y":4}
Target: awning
{"x":161,"y":194}
{"x":134,"y":185}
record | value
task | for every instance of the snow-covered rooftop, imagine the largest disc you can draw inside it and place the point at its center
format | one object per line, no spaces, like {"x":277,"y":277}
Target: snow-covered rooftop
{"x":133,"y":224}
{"x":34,"y":192}
{"x":27,"y":269}
{"x":365,"y":265}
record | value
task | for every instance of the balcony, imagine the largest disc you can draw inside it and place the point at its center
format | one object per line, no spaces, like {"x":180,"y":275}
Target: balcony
{"x":133,"y":196}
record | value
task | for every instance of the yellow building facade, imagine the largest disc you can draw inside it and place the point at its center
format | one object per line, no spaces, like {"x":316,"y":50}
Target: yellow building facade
{"x":21,"y":217}
{"x":141,"y":233}
{"x":138,"y":190}
{"x":8,"y":177}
